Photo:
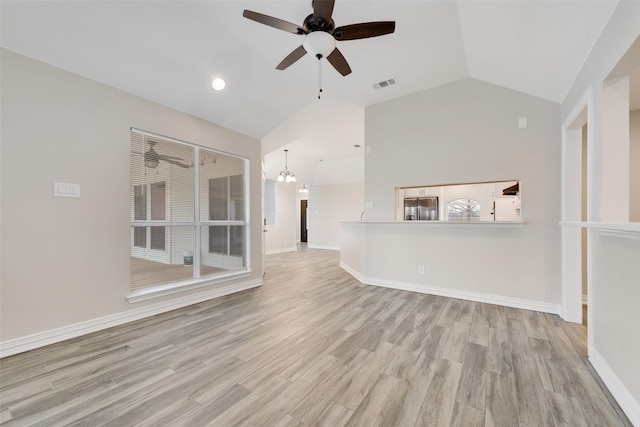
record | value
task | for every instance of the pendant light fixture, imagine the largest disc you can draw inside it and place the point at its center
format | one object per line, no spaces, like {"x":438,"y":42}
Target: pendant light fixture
{"x":304,"y":189}
{"x":286,"y":175}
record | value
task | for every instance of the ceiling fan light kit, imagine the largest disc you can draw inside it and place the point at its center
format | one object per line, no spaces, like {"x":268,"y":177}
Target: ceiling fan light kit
{"x":321,"y":35}
{"x":151,"y":158}
{"x":319,"y":43}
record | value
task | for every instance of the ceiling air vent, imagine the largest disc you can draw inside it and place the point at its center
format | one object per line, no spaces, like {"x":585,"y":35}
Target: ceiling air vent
{"x":384,"y":83}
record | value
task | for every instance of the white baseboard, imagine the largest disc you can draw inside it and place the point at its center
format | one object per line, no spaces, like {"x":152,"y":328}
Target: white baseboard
{"x":41,"y":339}
{"x":281,"y":251}
{"x":353,"y":272}
{"x":623,"y":396}
{"x":544,"y":307}
{"x":330,"y":248}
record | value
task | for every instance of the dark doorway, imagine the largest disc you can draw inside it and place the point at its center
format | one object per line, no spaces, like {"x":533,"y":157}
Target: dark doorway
{"x":303,"y":221}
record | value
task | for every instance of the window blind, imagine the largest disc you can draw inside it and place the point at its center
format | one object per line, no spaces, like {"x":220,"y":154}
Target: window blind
{"x":176,"y":236}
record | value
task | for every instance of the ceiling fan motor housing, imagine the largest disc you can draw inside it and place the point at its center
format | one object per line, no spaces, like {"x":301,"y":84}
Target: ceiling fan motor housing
{"x":151,"y":155}
{"x":310,"y":25}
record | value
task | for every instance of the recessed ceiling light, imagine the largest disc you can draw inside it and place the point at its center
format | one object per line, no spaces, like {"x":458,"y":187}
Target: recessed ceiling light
{"x":218,"y":83}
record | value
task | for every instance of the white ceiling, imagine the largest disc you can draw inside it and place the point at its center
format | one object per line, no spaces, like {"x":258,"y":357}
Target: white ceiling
{"x":169,"y":51}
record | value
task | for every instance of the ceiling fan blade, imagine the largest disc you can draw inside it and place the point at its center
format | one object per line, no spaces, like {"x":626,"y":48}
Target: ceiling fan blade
{"x":364,"y":30}
{"x":163,"y":157}
{"x":338,"y":61}
{"x":322,"y":10}
{"x":297,"y":53}
{"x":273,"y":22}
{"x":174,"y":162}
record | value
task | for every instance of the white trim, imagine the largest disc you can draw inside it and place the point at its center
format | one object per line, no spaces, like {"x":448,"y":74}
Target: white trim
{"x":246,"y":176}
{"x":178,"y":141}
{"x":41,"y":339}
{"x":631,"y":227}
{"x":280,"y":251}
{"x":571,"y":202}
{"x":176,"y":287}
{"x":617,"y":388}
{"x":468,"y":224}
{"x":621,"y":234}
{"x":544,"y":307}
{"x":585,"y":300}
{"x":360,"y":277}
{"x":584,"y":102}
{"x":623,"y":230}
{"x":330,"y":248}
{"x":197,"y":254}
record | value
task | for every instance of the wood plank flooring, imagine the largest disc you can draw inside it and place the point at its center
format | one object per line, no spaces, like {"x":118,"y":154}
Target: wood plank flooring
{"x":145,"y":273}
{"x":314,"y":347}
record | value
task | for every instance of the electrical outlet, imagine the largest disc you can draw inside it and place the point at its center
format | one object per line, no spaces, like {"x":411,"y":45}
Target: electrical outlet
{"x":421,"y":269}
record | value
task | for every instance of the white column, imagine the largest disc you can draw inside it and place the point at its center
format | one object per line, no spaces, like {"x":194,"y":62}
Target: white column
{"x":615,"y":151}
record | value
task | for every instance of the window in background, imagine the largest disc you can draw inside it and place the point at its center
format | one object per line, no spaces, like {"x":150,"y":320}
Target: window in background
{"x":463,"y":210}
{"x":226,"y":203}
{"x":140,"y":214}
{"x":187,"y":213}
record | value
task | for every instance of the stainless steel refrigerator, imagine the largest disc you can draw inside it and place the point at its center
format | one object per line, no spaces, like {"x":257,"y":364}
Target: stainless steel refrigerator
{"x":421,"y":209}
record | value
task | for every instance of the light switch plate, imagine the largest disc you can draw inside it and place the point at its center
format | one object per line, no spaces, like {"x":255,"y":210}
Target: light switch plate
{"x":65,"y":189}
{"x":522,"y":122}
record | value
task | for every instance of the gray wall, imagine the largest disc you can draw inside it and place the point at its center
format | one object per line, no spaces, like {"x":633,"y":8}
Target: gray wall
{"x":467,"y":132}
{"x":459,"y":133}
{"x":66,"y":261}
{"x":328,"y":205}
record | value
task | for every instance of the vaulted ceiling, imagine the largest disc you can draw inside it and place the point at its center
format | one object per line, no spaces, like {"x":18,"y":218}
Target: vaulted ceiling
{"x":169,"y":52}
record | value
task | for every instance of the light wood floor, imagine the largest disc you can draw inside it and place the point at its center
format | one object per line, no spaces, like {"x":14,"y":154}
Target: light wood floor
{"x":145,"y":273}
{"x":315,"y":347}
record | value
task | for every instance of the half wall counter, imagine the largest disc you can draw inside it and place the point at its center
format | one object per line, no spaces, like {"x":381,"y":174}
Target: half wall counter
{"x":497,"y":262}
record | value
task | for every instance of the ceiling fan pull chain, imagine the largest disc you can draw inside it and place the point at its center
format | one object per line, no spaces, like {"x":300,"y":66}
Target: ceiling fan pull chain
{"x":319,"y":75}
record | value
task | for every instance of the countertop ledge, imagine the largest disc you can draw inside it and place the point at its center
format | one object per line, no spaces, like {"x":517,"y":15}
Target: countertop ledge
{"x":627,"y":230}
{"x":618,"y":226}
{"x":482,"y":224}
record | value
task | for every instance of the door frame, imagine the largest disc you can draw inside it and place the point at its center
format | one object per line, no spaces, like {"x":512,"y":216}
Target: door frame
{"x":572,"y":223}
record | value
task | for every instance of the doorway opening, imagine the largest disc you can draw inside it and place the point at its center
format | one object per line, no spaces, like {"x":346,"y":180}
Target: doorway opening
{"x":583,"y":218}
{"x":303,"y":221}
{"x":576,"y":211}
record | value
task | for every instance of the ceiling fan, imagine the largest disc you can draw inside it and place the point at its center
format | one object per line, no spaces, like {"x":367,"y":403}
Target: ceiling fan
{"x":152,"y":158}
{"x":321,"y":34}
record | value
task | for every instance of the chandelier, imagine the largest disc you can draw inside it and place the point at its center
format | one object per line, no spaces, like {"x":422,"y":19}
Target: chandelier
{"x":286,"y":175}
